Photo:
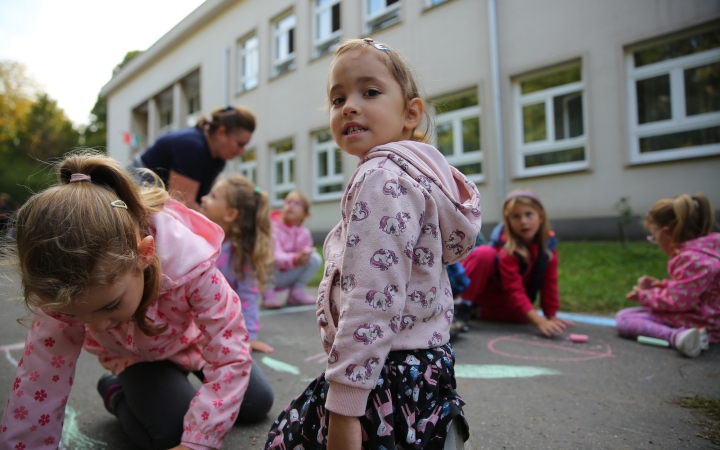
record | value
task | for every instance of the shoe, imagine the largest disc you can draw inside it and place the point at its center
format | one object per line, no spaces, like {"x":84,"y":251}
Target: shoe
{"x":704,"y":341}
{"x":271,"y":300}
{"x":108,"y":386}
{"x":687,"y":342}
{"x":298,"y":296}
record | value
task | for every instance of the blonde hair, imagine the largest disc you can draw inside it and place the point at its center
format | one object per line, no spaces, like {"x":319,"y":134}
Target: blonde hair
{"x":233,"y":118}
{"x":401,"y":72}
{"x":298,"y":194}
{"x":514,"y":244}
{"x":70,"y":238}
{"x":250,"y":232}
{"x":688,"y":217}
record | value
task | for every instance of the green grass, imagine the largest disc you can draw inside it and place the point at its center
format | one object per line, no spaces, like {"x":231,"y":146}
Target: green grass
{"x":595,"y":276}
{"x":709,"y":407}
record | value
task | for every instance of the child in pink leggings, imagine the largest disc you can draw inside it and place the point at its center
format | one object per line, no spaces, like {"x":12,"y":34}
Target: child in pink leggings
{"x":685,"y":309}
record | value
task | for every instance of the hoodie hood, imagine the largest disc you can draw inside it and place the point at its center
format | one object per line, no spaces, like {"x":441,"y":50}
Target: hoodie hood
{"x":456,"y":197}
{"x":184,"y":240}
{"x":707,"y":245}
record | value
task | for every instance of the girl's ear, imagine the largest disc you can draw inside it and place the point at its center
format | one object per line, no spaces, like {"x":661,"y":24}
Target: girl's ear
{"x":146,"y":249}
{"x":414,"y":113}
{"x":231,"y":215}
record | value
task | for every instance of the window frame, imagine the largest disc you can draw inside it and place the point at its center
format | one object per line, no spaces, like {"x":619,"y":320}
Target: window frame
{"x":288,"y":160}
{"x":550,"y":144}
{"x":679,"y":121}
{"x":248,"y":169}
{"x":283,"y":62}
{"x":331,"y":149}
{"x":456,"y":117}
{"x":321,"y":47}
{"x":388,"y":16}
{"x":242,"y":53}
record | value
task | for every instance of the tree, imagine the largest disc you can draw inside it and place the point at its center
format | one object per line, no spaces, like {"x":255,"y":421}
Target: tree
{"x":17,"y":92}
{"x":95,"y":133}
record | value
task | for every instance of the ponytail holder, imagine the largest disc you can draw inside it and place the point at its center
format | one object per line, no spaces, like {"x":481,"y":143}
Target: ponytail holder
{"x":228,"y":108}
{"x":257,"y":189}
{"x":79,"y":177}
{"x":118,"y":204}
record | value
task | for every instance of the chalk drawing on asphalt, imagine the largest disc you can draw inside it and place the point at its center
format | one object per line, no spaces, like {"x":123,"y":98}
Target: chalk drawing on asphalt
{"x":73,"y":438}
{"x":280,"y":366}
{"x":501,"y":371}
{"x":534,"y":348}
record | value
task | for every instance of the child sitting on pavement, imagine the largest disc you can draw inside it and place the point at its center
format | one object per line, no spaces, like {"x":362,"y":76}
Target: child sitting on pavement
{"x":683,"y":310}
{"x":296,"y":260}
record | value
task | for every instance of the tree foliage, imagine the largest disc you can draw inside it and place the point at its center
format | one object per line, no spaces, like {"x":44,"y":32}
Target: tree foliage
{"x":33,"y":130}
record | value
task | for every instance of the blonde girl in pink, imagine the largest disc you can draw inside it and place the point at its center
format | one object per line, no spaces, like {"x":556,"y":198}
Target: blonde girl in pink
{"x":685,"y":308}
{"x":385,"y":304}
{"x":130,"y":277}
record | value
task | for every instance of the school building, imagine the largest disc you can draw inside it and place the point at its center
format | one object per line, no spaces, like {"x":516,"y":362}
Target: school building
{"x":582,"y":101}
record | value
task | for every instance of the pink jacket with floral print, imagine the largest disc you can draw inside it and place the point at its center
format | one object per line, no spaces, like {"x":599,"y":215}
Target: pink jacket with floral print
{"x":206,"y":330}
{"x":691,"y":297}
{"x":405,"y":214}
{"x":288,"y":241}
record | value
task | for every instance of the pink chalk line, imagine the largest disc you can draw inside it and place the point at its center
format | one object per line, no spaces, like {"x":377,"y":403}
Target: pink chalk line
{"x":591,"y":355}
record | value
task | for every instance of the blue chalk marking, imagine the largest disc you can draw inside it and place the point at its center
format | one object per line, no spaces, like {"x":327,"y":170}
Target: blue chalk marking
{"x":500,"y":371}
{"x":605,"y":321}
{"x":73,"y":438}
{"x":280,"y":366}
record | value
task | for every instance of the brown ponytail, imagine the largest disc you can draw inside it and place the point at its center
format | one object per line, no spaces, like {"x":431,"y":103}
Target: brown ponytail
{"x":69,"y":237}
{"x":687,"y":217}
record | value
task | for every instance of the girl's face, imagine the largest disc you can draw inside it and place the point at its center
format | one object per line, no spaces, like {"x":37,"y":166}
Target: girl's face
{"x":525,"y":222}
{"x":215,"y":207}
{"x":105,"y":307}
{"x":661,"y":237}
{"x":367,"y":106}
{"x":293,"y":211}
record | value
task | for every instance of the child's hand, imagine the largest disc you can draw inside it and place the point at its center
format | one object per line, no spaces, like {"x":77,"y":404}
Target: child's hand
{"x":634,"y":294}
{"x":549,"y":327}
{"x":303,"y":257}
{"x":344,"y":433}
{"x":259,"y":346}
{"x":180,"y":447}
{"x":647,"y":282}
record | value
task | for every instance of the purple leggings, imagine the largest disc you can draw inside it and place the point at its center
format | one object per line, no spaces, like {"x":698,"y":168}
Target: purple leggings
{"x":640,"y":321}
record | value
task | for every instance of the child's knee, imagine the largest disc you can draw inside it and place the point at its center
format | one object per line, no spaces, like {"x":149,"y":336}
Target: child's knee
{"x":315,"y":260}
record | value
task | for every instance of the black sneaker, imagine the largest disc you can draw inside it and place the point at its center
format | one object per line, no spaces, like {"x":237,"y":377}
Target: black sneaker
{"x":107,"y":386}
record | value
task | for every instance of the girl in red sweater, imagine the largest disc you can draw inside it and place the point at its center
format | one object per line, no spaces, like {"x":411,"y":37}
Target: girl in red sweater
{"x":520,"y":260}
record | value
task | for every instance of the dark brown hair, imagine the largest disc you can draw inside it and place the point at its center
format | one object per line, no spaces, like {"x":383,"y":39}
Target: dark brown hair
{"x":250,"y":232}
{"x":401,"y":72}
{"x":233,"y":118}
{"x":70,"y":238}
{"x":687,"y":217}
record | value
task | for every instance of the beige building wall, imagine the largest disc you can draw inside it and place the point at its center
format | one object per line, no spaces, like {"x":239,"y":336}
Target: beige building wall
{"x":449,"y":46}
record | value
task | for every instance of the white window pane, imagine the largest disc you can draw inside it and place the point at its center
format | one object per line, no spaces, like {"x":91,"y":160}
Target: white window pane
{"x":568,"y":112}
{"x":375,"y":6}
{"x":444,"y":132}
{"x":534,"y":126}
{"x":702,"y":89}
{"x":323,"y":25}
{"x":653,"y":97}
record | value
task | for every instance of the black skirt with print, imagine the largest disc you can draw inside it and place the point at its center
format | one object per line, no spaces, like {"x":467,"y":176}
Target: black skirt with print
{"x":412,"y":406}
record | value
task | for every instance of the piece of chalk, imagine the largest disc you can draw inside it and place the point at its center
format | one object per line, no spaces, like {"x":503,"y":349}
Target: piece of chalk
{"x":653,"y":341}
{"x":578,"y":337}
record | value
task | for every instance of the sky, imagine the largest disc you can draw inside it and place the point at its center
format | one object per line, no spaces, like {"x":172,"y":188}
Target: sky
{"x":70,"y":47}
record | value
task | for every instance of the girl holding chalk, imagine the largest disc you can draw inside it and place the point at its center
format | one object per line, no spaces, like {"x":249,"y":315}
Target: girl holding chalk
{"x":684,"y":309}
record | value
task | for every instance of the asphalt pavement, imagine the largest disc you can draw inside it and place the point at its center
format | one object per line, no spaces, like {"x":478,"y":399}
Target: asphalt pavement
{"x":523,"y":391}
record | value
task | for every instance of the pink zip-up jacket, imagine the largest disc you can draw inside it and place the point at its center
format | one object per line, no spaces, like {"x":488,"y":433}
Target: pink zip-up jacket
{"x":691,"y":297}
{"x":206,"y":330}
{"x":405,"y":214}
{"x":288,"y":241}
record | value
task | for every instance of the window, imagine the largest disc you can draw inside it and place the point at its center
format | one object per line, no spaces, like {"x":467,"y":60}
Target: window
{"x":674,"y":101}
{"x":380,"y":14}
{"x":191,"y":85}
{"x":247,"y":165}
{"x":549,"y":111}
{"x":283,"y":171}
{"x":248,"y":64}
{"x":327,"y":26}
{"x":458,"y":132}
{"x":328,"y":180}
{"x":284,"y":44}
{"x":165,"y":112}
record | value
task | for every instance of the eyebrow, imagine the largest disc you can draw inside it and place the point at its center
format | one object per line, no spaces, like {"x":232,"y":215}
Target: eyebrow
{"x":360,"y":80}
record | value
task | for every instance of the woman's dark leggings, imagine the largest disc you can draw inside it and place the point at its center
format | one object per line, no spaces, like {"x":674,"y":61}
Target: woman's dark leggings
{"x":156,"y":395}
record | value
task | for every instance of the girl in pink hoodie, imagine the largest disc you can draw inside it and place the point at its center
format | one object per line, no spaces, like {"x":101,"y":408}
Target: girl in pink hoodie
{"x":129,"y":276}
{"x":685,"y":309}
{"x":385,"y":304}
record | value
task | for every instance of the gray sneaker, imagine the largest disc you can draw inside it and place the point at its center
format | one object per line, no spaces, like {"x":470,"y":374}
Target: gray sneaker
{"x":704,"y":342}
{"x":687,"y":342}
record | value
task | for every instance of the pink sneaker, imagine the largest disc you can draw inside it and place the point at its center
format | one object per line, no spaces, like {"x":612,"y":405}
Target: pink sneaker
{"x":298,"y":296}
{"x":271,"y":300}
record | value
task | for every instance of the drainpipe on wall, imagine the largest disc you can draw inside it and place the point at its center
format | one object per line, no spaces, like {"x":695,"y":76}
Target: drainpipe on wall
{"x":226,"y":75}
{"x":497,"y":98}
